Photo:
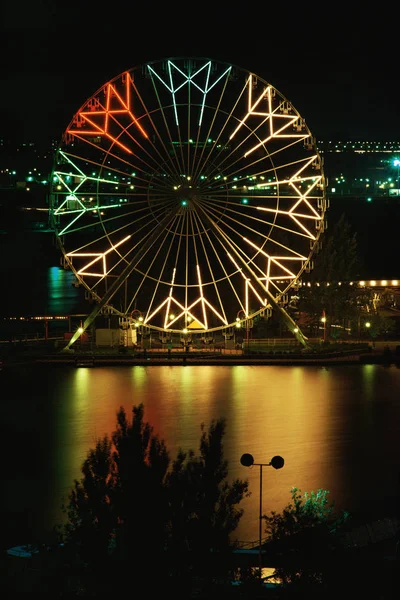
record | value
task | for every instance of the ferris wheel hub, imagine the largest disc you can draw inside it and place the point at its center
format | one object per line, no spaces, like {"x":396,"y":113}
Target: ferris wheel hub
{"x":186,"y":194}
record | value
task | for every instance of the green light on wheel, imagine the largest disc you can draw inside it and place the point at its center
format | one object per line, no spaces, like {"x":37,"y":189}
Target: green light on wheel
{"x":184,"y":202}
{"x":244,"y":201}
{"x":369,"y":199}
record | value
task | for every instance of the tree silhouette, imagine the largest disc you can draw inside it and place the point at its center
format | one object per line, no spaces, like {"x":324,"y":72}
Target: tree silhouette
{"x":332,"y":290}
{"x":135,"y":519}
{"x":339,"y":258}
{"x":303,"y":537}
{"x":204,"y":508}
{"x":140,"y":462}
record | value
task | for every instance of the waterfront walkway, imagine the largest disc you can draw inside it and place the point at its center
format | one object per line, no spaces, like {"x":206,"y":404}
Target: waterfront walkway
{"x":50,"y":352}
{"x":147,"y":358}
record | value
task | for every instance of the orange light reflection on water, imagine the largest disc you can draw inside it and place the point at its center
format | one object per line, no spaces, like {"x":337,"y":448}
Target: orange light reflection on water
{"x":305,"y":414}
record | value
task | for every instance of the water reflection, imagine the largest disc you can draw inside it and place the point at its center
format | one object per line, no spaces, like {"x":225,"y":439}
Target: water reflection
{"x":337,"y":428}
{"x":62,"y":297}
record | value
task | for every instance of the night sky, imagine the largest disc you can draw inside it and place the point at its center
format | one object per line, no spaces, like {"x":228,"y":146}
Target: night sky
{"x":340,"y":71}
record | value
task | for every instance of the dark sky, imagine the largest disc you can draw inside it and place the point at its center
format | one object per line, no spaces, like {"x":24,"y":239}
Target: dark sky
{"x":338,"y":68}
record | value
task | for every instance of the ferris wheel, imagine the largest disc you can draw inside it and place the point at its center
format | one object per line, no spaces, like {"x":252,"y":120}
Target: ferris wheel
{"x":188,"y":191}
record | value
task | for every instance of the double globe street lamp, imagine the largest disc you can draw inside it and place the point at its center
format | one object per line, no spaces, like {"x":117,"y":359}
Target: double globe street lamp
{"x":276,"y":462}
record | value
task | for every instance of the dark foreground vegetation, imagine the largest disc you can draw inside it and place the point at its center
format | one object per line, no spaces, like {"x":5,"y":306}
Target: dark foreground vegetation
{"x":138,"y":524}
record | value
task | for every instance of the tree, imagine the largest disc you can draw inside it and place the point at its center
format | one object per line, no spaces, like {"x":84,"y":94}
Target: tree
{"x":140,"y":464}
{"x":134,"y":520}
{"x":378,"y":325}
{"x":83,"y":556}
{"x":303,"y":537}
{"x":89,"y":513}
{"x":338,"y":259}
{"x":204,"y":507}
{"x":118,"y":506}
{"x":332,"y":280}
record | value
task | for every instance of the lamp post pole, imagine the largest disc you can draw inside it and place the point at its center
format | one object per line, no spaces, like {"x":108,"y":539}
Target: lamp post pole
{"x":137,"y":316}
{"x":368,"y":325}
{"x":323,"y":319}
{"x":260,"y":525}
{"x":396,"y":163}
{"x":277,"y":462}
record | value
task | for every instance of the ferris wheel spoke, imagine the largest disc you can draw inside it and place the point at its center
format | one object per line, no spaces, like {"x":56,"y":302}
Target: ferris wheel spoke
{"x":211,"y":154}
{"x":175,"y":157}
{"x":216,"y":257}
{"x":170,"y":164}
{"x":228,"y":244}
{"x":206,"y":304}
{"x":147,"y":275}
{"x":237,"y":224}
{"x":265,"y":267}
{"x":247,"y":266}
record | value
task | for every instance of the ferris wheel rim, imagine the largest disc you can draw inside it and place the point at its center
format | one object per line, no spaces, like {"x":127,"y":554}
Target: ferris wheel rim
{"x":212,"y":215}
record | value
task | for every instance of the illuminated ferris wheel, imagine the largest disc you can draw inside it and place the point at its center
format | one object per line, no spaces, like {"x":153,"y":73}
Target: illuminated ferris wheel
{"x":189,"y":190}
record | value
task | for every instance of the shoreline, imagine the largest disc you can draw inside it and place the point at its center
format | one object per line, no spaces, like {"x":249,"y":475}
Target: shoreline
{"x":47,"y":353}
{"x":91,"y":360}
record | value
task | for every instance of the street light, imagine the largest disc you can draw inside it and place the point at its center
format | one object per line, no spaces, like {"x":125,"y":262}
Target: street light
{"x":137,"y":317}
{"x":80,"y":330}
{"x":396,"y":163}
{"x":367,"y":326}
{"x":277,"y":462}
{"x":238,"y":324}
{"x":323,"y":319}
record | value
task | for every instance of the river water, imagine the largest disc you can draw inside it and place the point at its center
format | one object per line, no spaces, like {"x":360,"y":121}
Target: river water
{"x":337,"y":428}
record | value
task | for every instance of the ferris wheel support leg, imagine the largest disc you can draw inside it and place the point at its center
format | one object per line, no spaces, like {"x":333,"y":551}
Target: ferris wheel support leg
{"x":123,"y":276}
{"x":292,"y":326}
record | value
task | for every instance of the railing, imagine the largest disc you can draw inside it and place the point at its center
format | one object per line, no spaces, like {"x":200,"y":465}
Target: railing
{"x":372,"y":533}
{"x":259,"y":344}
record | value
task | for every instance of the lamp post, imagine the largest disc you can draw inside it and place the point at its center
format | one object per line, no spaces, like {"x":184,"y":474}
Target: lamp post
{"x":277,"y":462}
{"x":367,"y":326}
{"x":81,"y":330}
{"x":323,"y":319}
{"x":137,"y":317}
{"x":238,"y":324}
{"x":396,"y":163}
